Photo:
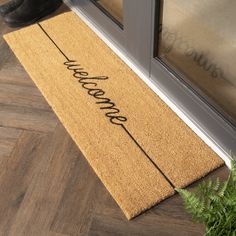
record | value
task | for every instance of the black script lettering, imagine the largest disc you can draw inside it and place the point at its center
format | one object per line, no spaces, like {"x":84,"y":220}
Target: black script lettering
{"x":79,"y":73}
{"x":112,"y":110}
{"x":118,"y":120}
{"x":89,"y":83}
{"x":96,"y":92}
{"x":95,"y":78}
{"x":71,"y":66}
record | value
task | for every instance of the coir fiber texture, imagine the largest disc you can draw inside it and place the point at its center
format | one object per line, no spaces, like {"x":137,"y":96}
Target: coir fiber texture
{"x":136,"y":145}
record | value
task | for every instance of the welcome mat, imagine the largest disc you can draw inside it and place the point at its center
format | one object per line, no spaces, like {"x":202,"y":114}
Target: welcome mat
{"x":136,"y":145}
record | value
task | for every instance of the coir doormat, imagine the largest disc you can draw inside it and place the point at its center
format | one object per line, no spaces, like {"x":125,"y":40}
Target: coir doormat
{"x":137,"y":146}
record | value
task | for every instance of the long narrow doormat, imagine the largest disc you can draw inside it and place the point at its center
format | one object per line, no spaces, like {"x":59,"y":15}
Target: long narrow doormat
{"x":137,"y":146}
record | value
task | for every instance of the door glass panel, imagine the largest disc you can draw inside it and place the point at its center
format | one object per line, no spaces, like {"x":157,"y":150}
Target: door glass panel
{"x":113,"y":8}
{"x":197,"y":39}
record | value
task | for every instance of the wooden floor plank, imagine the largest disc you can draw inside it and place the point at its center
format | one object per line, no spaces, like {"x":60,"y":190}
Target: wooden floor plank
{"x":16,"y":173}
{"x":27,"y":118}
{"x":76,"y":208}
{"x":45,"y":191}
{"x":54,"y":234}
{"x":8,"y":139}
{"x":15,"y":75}
{"x":22,"y":96}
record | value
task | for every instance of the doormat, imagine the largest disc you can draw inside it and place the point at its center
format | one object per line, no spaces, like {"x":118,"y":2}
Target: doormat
{"x":137,"y":146}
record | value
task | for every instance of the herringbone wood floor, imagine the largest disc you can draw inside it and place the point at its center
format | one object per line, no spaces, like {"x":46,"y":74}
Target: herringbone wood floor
{"x":46,"y":186}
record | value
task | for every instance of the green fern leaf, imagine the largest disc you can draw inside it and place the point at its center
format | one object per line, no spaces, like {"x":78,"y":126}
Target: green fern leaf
{"x":214,"y":204}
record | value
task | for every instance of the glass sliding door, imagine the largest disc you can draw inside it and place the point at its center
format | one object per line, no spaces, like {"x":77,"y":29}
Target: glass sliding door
{"x":113,"y":8}
{"x":197,"y":39}
{"x":192,"y":62}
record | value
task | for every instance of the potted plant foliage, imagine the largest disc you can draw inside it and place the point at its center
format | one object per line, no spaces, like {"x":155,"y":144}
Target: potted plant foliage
{"x":213,"y":203}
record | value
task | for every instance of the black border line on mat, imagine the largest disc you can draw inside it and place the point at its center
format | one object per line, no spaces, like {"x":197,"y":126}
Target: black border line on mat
{"x":122,"y":125}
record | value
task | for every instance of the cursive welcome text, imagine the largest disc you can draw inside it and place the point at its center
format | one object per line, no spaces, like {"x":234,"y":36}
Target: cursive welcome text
{"x":90,"y":84}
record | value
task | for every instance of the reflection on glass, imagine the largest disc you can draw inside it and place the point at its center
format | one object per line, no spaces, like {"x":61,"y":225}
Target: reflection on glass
{"x":198,"y":40}
{"x":113,"y":7}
